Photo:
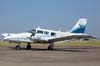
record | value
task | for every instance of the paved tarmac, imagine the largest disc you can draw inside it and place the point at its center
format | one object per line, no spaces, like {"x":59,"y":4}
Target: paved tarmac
{"x":60,"y":56}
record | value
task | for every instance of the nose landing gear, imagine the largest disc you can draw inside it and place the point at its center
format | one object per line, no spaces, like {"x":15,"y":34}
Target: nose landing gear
{"x":18,"y":46}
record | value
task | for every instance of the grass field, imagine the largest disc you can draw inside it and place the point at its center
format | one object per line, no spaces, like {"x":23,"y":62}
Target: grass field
{"x":82,"y":43}
{"x":69,"y":43}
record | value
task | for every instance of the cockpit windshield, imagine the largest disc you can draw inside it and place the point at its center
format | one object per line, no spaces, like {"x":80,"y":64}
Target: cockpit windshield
{"x":32,"y":31}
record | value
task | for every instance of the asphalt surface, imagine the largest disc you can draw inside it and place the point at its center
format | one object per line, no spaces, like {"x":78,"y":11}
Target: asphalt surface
{"x":60,"y":56}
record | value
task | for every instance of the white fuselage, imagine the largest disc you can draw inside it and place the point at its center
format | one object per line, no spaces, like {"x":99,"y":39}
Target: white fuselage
{"x":40,"y":35}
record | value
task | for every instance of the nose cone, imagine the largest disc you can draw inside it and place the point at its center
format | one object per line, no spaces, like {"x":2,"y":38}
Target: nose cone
{"x":3,"y":36}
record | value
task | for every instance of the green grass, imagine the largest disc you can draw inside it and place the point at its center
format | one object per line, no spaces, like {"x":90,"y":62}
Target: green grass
{"x":82,"y":43}
{"x":5,"y":43}
{"x":69,"y":43}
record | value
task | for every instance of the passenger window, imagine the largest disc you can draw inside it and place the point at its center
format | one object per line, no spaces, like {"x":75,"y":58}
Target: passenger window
{"x":39,"y":31}
{"x":53,"y":34}
{"x":45,"y":32}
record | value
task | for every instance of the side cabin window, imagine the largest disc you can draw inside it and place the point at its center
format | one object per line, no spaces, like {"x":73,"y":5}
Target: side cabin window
{"x":46,"y":33}
{"x":53,"y":34}
{"x":39,"y":31}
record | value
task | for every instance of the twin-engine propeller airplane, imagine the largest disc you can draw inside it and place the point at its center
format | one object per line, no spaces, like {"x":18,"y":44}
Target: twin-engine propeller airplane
{"x":48,"y":36}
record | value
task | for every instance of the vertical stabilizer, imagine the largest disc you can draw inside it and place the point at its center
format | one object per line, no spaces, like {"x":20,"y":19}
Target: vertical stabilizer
{"x":79,"y":26}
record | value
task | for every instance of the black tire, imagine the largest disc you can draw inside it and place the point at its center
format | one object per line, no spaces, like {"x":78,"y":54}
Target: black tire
{"x":28,"y":46}
{"x":17,"y":47}
{"x":50,"y":47}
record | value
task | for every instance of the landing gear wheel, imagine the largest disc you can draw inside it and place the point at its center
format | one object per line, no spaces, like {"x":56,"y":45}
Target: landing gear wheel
{"x":51,"y":46}
{"x":29,"y":46}
{"x":17,"y":47}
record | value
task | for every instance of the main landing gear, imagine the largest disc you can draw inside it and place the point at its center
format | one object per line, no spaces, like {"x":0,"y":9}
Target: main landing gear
{"x":28,"y":47}
{"x":51,"y":46}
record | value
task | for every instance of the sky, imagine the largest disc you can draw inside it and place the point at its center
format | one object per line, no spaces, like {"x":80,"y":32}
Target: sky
{"x":23,"y":15}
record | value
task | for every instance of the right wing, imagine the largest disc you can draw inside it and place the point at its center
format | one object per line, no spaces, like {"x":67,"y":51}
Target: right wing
{"x":71,"y":37}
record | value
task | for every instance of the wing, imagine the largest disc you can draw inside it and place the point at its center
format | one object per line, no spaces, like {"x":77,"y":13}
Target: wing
{"x":85,"y":37}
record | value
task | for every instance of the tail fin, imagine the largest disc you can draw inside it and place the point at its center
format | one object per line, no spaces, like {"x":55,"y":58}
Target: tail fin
{"x":79,"y":26}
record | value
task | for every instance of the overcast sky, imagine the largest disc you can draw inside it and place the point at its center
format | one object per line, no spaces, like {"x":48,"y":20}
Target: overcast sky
{"x":22,"y":15}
